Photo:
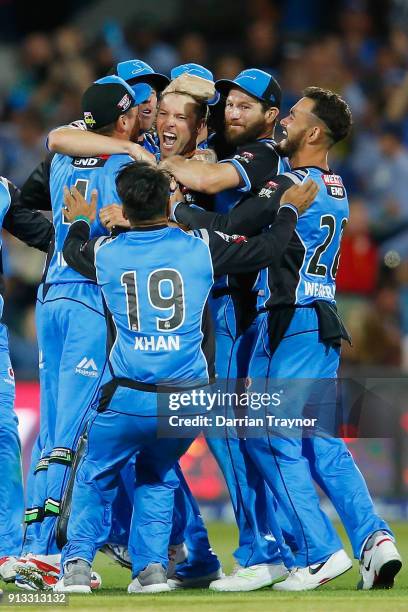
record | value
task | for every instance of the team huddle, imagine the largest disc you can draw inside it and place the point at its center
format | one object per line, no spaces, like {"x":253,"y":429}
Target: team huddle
{"x":187,"y":247}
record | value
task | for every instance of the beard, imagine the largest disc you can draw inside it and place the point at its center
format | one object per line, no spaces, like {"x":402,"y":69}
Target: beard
{"x":288,"y":148}
{"x":245,"y":135}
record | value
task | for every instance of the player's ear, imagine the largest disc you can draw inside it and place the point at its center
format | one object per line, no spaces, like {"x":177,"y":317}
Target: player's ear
{"x":315,"y":134}
{"x":201,"y":125}
{"x":120,"y":123}
{"x":272,"y":114}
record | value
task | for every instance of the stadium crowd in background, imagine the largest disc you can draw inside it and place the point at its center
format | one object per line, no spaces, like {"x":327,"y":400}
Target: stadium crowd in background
{"x":359,"y":54}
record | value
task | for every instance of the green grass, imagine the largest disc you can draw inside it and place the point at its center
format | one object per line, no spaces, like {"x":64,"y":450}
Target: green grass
{"x":337,"y":596}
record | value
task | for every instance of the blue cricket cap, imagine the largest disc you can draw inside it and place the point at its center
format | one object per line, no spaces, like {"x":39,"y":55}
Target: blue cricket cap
{"x":256,"y":83}
{"x":105,"y":100}
{"x":136,"y":71}
{"x":195,"y":70}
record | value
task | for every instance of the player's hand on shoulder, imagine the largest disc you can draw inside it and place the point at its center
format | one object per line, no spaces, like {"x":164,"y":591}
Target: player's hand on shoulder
{"x":170,"y":162}
{"x":205,"y":155}
{"x":139,"y":153}
{"x":77,"y":206}
{"x":300,"y":196}
{"x":112,"y":216}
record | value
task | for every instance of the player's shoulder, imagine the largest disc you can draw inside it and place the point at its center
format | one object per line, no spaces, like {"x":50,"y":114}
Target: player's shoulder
{"x":257,"y":151}
{"x":9,"y":193}
{"x":211,"y":236}
{"x":117,"y":160}
{"x":202,"y":237}
{"x":78,"y":124}
{"x":297,"y":175}
{"x":8,"y":189}
{"x":263,"y":146}
{"x":4,"y":185}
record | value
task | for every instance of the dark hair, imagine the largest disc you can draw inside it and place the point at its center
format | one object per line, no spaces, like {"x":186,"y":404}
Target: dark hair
{"x":332,"y":110}
{"x":144,"y":191}
{"x":106,"y":130}
{"x":266,"y":105}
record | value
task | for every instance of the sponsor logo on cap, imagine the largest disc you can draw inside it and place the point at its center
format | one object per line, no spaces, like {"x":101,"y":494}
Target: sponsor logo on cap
{"x":125,"y":102}
{"x":88,"y":118}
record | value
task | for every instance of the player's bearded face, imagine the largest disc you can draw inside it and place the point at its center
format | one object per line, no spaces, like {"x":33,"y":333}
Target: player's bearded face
{"x":244,"y":118}
{"x":296,"y":125}
{"x":177,"y":124}
{"x":291,"y":144}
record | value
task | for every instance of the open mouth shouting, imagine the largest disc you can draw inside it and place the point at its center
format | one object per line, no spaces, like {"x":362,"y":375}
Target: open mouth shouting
{"x":168,"y":141}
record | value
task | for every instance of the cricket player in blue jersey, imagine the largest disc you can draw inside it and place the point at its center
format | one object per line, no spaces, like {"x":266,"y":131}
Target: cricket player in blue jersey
{"x":36,"y":195}
{"x":33,"y":229}
{"x":299,"y":338}
{"x":253,"y":98}
{"x":252,"y":102}
{"x":72,"y":335}
{"x":202,"y":563}
{"x":156,"y":298}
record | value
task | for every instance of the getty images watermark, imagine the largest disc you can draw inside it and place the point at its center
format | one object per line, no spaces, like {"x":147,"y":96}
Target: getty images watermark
{"x":248,"y":412}
{"x":346,"y":407}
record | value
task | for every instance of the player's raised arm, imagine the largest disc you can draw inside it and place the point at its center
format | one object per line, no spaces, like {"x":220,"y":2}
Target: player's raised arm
{"x":205,"y":177}
{"x":78,"y":250}
{"x":81,"y":139}
{"x":83,"y":143}
{"x":238,"y":254}
{"x":249,"y":218}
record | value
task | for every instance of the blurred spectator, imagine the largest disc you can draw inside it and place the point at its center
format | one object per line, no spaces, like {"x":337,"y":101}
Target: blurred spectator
{"x":36,"y":57}
{"x":22,"y":145}
{"x":358,"y":268}
{"x":262,"y":45}
{"x":227,"y":66}
{"x":379,"y":339}
{"x":146,"y":43}
{"x":193,"y":48}
{"x":386,"y":184}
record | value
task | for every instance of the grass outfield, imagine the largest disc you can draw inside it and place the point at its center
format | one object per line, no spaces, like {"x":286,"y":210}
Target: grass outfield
{"x":339,"y":595}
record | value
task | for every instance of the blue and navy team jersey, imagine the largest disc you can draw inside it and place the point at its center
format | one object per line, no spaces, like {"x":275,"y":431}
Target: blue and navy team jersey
{"x":307,"y":271}
{"x":308,"y":268}
{"x":86,"y":173}
{"x":150,"y":142}
{"x":155,"y":284}
{"x":253,"y":162}
{"x":156,"y":281}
